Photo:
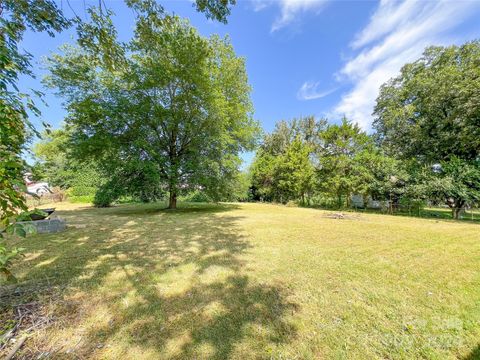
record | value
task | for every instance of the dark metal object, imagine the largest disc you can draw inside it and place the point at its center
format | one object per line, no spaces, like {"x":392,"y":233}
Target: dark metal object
{"x":36,"y":217}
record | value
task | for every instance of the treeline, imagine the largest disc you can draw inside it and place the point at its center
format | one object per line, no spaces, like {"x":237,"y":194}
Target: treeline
{"x":425,"y":147}
{"x":314,"y":162}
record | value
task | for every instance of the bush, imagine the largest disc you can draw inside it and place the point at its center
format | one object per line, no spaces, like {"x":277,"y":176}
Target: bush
{"x":412,"y":205}
{"x":106,"y":195}
{"x":84,"y":199}
{"x":197,"y":196}
{"x":81,"y":190}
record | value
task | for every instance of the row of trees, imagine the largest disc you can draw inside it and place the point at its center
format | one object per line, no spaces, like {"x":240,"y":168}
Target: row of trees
{"x":425,"y":147}
{"x":310,"y":160}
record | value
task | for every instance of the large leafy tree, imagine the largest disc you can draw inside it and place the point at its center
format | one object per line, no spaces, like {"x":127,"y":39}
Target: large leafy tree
{"x":339,"y":147}
{"x":172,"y":99}
{"x":374,"y":174}
{"x":431,"y":112}
{"x":16,"y":16}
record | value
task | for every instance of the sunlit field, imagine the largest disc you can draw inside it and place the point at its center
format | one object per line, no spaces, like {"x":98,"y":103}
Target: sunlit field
{"x":244,"y":281}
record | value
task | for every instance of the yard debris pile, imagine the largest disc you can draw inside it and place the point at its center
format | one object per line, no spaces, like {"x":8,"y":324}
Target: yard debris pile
{"x":341,"y":216}
{"x":23,"y":314}
{"x":21,"y":321}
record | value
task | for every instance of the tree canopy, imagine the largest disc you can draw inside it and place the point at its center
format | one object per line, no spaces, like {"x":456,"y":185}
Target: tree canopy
{"x":430,"y":114}
{"x":177,"y":103}
{"x":431,"y":111}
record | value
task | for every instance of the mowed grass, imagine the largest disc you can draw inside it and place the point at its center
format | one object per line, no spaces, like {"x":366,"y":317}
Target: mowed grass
{"x":253,"y":281}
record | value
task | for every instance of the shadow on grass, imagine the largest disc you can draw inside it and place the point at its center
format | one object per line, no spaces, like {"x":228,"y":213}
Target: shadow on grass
{"x":474,"y":355}
{"x":182,"y":274}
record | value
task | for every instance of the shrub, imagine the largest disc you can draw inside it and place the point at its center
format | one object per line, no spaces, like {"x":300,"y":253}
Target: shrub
{"x":84,"y":199}
{"x":412,"y":205}
{"x":197,"y":196}
{"x":106,"y":195}
{"x":81,"y":190}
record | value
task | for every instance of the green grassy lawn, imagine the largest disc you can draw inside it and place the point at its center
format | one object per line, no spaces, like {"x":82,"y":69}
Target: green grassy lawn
{"x":250,"y":281}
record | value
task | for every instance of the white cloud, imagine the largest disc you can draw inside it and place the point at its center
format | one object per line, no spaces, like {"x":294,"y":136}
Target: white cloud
{"x":290,"y":10}
{"x":397,"y":33}
{"x":309,"y":91}
{"x":388,"y":15}
{"x":259,"y":5}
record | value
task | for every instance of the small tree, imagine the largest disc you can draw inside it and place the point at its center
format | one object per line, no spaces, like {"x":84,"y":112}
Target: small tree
{"x":295,"y":173}
{"x":457,"y":183}
{"x":283,"y":165}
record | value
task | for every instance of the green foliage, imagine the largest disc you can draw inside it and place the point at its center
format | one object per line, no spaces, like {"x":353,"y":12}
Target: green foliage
{"x":215,"y":9}
{"x":429,"y":114}
{"x":136,"y":180}
{"x":15,"y":128}
{"x":283,"y":168}
{"x":197,"y":196}
{"x":262,"y":173}
{"x":431,"y":110}
{"x":308,"y":160}
{"x":7,"y":255}
{"x":174,"y":114}
{"x":52,"y":155}
{"x":294,"y":172}
{"x":105,"y":196}
{"x":57,"y":163}
{"x":456,"y":182}
{"x":11,"y":225}
{"x":241,"y":187}
{"x":339,"y":160}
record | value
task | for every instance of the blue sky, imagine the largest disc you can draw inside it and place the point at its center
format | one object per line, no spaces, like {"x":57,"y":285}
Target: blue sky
{"x":304,"y":57}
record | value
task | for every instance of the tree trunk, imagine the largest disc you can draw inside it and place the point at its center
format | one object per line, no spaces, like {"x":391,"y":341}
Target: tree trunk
{"x":456,"y":212}
{"x":457,"y":208}
{"x":172,"y":203}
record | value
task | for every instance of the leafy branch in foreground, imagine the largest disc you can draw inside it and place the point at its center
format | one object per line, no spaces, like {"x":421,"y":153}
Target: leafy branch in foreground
{"x":12,"y":226}
{"x":16,"y":16}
